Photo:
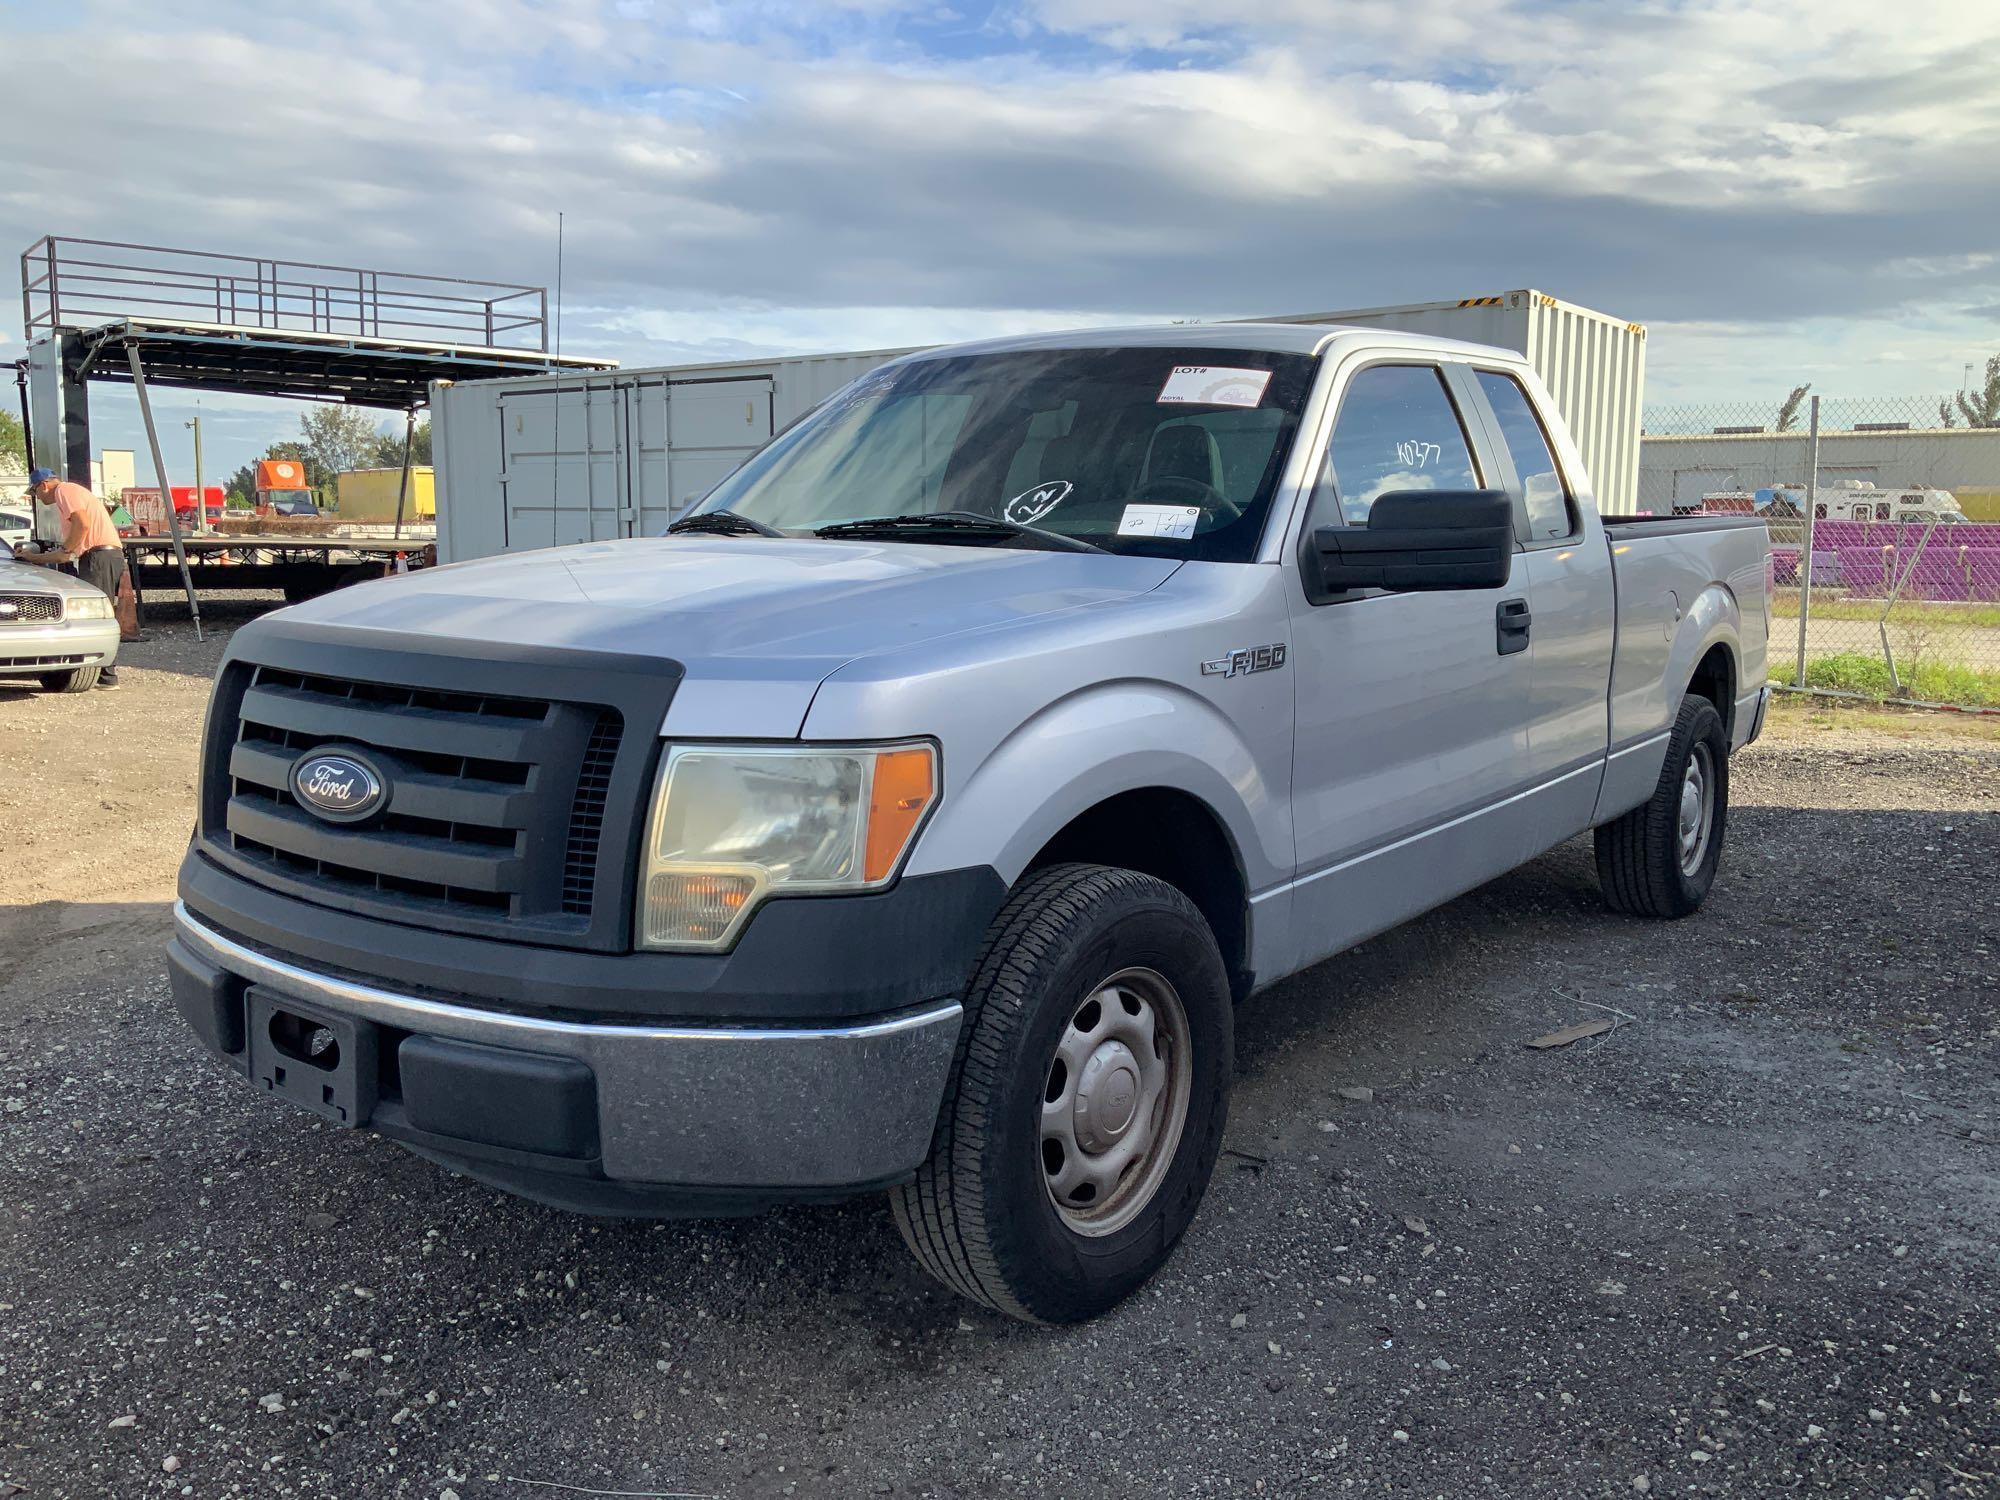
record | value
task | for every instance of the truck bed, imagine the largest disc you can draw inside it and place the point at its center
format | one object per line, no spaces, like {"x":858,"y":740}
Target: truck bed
{"x":1629,"y":527}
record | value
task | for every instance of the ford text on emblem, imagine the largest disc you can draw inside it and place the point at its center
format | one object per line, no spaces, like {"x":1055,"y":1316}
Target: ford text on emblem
{"x":338,"y":785}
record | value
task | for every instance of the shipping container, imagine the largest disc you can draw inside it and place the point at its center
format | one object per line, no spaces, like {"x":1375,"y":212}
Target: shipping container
{"x":542,"y":461}
{"x":1594,"y":366}
{"x":367,"y":497}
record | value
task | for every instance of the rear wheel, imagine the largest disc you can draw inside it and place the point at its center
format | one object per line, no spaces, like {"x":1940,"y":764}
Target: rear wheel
{"x":77,"y":680}
{"x":1087,"y":1100}
{"x":1659,"y":859}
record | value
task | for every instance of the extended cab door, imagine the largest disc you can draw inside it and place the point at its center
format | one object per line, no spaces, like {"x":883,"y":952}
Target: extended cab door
{"x":1568,"y":573}
{"x":1414,"y":709}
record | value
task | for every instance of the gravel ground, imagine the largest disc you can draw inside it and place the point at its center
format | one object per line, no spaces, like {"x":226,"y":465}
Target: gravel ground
{"x":1743,"y":1244}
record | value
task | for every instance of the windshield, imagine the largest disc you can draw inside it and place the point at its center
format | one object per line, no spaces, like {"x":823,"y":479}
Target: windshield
{"x":1169,"y":452}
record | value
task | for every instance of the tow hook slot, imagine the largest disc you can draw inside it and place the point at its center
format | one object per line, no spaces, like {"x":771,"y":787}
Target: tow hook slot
{"x":321,"y":1061}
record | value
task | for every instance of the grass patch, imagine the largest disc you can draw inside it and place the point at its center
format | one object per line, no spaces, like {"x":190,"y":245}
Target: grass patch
{"x":1792,"y":715}
{"x":1867,"y":675}
{"x":1785,"y":606}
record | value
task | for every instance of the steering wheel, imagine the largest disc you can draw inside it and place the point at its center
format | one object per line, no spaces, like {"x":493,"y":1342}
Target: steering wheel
{"x":1192,"y":492}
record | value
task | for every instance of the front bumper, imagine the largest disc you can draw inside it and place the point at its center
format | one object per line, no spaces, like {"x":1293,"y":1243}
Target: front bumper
{"x":59,"y":646}
{"x":633,"y":1119}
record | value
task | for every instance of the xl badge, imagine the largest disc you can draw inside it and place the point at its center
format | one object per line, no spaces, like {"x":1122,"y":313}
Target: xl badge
{"x":1249,"y":659}
{"x":338,"y":785}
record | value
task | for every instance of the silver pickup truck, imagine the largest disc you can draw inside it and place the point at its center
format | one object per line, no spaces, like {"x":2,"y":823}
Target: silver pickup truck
{"x":913,"y":817}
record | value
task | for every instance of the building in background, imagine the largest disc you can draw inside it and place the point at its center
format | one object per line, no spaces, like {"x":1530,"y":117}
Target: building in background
{"x":115,"y":472}
{"x":1676,"y":470}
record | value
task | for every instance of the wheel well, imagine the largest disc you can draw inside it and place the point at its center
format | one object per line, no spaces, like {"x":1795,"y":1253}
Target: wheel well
{"x":1715,"y":679}
{"x":1176,"y":838}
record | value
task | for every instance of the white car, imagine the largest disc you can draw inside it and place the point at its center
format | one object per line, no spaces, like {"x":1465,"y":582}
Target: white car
{"x":16,"y":526}
{"x":54,"y":628}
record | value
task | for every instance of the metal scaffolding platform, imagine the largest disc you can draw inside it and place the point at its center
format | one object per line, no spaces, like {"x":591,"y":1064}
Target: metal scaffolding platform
{"x":151,"y":316}
{"x":361,"y":370}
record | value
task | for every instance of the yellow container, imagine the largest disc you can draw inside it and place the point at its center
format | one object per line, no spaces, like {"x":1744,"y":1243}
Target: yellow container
{"x":367,"y":497}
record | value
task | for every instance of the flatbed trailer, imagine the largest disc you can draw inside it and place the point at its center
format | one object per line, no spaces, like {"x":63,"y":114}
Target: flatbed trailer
{"x":299,"y":566}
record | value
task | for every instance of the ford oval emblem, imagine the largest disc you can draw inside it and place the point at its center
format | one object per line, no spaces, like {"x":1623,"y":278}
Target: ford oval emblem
{"x":338,"y":785}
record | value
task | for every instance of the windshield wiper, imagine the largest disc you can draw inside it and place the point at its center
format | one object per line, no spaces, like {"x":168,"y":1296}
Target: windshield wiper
{"x":959,"y":522}
{"x":722,"y":523}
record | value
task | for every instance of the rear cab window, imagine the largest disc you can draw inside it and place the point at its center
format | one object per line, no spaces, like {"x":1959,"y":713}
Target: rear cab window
{"x":1551,"y":512}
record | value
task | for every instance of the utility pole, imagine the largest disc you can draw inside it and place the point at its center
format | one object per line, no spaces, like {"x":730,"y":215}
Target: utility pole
{"x":200,"y":496}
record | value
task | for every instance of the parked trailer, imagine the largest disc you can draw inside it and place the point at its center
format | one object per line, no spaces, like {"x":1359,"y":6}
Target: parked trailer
{"x":301,"y":566}
{"x":535,"y":461}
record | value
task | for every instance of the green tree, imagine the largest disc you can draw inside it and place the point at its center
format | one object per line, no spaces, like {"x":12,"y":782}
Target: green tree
{"x":1788,"y":410}
{"x":14,"y":442}
{"x":1980,"y":408}
{"x":335,"y":438}
{"x":389,"y":446}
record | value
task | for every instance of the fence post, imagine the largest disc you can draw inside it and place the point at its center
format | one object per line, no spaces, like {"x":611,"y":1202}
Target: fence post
{"x":1806,"y":544}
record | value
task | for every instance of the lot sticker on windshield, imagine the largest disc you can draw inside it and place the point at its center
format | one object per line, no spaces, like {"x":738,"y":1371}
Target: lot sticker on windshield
{"x":1159,"y":520}
{"x":1213,"y":385}
{"x":1031,"y":505}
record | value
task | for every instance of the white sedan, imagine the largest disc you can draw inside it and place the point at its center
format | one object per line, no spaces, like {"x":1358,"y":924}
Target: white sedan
{"x":53,"y":628}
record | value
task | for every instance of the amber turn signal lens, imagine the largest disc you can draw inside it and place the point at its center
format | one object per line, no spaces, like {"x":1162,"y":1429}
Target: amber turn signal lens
{"x":905,"y":784}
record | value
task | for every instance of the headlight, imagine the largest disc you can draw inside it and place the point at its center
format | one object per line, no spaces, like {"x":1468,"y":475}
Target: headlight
{"x":731,"y":825}
{"x":87,"y":607}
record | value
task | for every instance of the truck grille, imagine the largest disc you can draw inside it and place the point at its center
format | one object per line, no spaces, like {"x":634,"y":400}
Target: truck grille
{"x":30,"y":609}
{"x":496,"y":816}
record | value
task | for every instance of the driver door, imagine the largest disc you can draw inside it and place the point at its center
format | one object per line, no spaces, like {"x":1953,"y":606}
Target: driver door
{"x":1413,"y":708}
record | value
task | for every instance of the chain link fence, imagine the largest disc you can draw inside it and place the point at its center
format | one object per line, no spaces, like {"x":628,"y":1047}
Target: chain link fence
{"x":1887,"y":569}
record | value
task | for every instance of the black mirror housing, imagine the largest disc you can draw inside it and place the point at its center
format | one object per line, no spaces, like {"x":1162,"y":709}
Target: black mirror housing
{"x":1416,"y":541}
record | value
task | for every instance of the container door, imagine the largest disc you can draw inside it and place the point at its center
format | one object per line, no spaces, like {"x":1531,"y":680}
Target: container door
{"x":689,"y":436}
{"x":562,"y":466}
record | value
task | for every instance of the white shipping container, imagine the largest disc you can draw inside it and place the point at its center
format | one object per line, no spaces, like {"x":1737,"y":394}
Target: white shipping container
{"x":542,"y":460}
{"x":1594,"y":366}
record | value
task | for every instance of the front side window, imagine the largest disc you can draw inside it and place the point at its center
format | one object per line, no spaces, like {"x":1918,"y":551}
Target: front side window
{"x":1534,"y":464}
{"x":1397,"y":430}
{"x":1169,"y":452}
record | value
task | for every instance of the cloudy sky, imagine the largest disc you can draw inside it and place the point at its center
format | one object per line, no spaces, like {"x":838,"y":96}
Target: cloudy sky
{"x":1782,"y":193}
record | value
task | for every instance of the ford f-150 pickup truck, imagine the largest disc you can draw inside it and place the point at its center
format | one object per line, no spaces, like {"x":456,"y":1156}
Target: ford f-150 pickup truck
{"x":913,"y":816}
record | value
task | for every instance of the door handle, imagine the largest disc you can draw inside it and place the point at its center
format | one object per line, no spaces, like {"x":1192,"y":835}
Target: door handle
{"x":1510,"y":623}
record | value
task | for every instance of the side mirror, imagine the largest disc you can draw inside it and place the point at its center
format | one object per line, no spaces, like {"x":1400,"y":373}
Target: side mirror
{"x":1416,"y":540}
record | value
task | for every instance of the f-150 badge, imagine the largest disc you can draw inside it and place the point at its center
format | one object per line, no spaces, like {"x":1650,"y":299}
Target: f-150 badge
{"x":1248,"y":659}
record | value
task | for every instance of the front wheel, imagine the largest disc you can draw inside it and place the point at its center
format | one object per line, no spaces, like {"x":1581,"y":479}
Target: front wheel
{"x":1659,"y":859}
{"x":1086,"y":1102}
{"x":76,"y":680}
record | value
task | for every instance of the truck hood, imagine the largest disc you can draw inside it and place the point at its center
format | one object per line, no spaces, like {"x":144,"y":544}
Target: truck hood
{"x":757,"y":623}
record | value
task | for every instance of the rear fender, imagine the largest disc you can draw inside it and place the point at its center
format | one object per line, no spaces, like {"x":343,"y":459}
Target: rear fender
{"x":1633,"y":770}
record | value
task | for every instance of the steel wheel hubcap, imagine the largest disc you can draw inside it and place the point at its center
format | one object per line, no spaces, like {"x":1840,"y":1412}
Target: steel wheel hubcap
{"x":1115,"y":1101}
{"x":1697,"y":811}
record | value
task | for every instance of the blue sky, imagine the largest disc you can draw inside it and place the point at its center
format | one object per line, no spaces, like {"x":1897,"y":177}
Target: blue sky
{"x":1780,"y":197}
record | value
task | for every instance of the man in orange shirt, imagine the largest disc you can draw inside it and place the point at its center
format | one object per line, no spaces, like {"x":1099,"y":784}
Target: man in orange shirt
{"x":88,"y":539}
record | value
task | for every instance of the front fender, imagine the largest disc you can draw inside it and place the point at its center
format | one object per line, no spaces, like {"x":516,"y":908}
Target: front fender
{"x":1109,"y":738}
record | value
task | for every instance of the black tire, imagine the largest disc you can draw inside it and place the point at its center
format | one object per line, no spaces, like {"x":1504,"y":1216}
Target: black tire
{"x":979,"y":1216}
{"x":1640,"y":855}
{"x":76,"y":680}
